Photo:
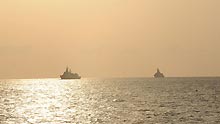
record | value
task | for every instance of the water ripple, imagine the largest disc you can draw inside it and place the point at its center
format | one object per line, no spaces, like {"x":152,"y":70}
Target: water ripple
{"x":128,"y":101}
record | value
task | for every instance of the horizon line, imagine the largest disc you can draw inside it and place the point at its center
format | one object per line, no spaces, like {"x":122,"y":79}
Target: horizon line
{"x":113,"y":77}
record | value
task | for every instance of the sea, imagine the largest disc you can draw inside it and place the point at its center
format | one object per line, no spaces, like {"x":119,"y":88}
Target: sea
{"x":110,"y":101}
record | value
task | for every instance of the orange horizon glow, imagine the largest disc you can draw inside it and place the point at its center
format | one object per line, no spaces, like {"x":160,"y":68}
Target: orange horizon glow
{"x":115,"y":38}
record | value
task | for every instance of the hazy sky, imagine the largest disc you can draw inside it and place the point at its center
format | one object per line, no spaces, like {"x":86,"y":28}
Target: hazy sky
{"x":109,"y":38}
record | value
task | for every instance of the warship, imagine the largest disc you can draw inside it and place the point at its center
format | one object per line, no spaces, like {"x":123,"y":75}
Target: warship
{"x":69,"y":75}
{"x":158,"y":74}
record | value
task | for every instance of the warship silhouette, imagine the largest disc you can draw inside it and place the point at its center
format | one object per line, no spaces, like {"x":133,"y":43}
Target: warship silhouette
{"x":69,"y":75}
{"x":158,"y":74}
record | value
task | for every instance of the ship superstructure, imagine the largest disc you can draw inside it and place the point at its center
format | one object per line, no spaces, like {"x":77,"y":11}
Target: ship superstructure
{"x":69,"y":75}
{"x":158,"y":74}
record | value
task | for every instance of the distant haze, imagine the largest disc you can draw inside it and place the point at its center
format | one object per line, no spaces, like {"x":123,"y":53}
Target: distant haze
{"x":109,"y":38}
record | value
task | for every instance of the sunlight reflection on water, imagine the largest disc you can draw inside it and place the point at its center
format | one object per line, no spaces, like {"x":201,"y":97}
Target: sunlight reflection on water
{"x":110,"y":101}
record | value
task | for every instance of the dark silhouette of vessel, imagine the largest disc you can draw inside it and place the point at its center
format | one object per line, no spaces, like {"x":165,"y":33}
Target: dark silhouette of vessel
{"x":158,"y":74}
{"x":69,"y":75}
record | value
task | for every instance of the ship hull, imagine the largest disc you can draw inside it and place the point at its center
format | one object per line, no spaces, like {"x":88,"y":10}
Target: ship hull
{"x":158,"y":76}
{"x":68,"y":78}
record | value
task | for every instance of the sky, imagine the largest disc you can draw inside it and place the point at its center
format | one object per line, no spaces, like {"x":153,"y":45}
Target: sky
{"x":109,"y":38}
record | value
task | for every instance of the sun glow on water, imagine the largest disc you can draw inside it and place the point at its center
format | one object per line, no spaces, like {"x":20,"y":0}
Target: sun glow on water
{"x":128,"y":100}
{"x":43,"y":101}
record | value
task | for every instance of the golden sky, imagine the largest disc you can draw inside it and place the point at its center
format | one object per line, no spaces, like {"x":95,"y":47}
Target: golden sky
{"x":109,"y":38}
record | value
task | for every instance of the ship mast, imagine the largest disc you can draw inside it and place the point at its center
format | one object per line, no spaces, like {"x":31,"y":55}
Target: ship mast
{"x":67,"y":69}
{"x":158,"y":71}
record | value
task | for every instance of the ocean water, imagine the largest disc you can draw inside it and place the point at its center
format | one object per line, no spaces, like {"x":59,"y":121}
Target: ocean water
{"x":110,"y":101}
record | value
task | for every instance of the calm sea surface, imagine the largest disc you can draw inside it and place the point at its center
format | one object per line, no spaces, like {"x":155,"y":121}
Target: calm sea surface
{"x":111,"y":101}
